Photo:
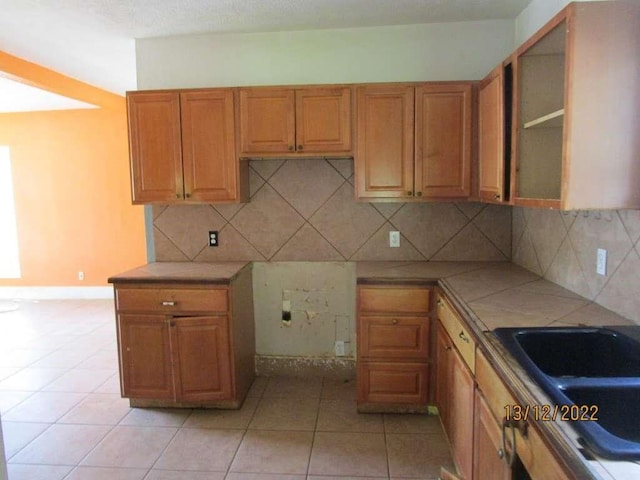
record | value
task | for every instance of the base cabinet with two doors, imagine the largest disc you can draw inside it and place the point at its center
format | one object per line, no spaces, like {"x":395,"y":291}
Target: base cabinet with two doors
{"x":184,"y":345}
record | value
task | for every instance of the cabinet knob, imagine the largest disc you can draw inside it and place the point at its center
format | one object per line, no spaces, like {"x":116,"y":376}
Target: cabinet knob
{"x":394,"y":321}
{"x":409,"y":193}
{"x":419,"y":194}
{"x":188,"y":195}
{"x":497,"y":196}
{"x":447,"y":347}
{"x":172,"y":324}
{"x":291,"y":148}
{"x":300,"y":147}
{"x":500,"y":453}
{"x":177,"y":195}
{"x":168,"y":304}
{"x":439,"y":303}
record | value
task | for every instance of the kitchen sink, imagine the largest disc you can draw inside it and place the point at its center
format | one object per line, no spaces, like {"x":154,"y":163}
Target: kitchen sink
{"x":592,"y":375}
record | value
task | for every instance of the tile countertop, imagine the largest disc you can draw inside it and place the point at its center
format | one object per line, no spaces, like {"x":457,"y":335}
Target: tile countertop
{"x":182,"y":272}
{"x":492,"y":295}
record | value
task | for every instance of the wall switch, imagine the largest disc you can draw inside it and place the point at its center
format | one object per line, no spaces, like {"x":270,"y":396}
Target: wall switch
{"x":601,"y":262}
{"x":213,"y":238}
{"x":81,"y":276}
{"x":394,"y":239}
{"x":339,"y":348}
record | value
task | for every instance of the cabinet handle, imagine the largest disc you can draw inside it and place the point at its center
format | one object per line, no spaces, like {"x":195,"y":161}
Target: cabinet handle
{"x":497,"y":196}
{"x":439,"y":303}
{"x":463,"y":337}
{"x":177,"y":195}
{"x":447,"y":347}
{"x":291,"y":148}
{"x":394,"y":321}
{"x":300,"y":147}
{"x":168,"y":304}
{"x":172,"y":324}
{"x":509,"y":458}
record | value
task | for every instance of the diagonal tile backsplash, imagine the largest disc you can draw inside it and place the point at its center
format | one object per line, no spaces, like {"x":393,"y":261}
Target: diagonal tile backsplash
{"x":304,"y":210}
{"x":561,"y":246}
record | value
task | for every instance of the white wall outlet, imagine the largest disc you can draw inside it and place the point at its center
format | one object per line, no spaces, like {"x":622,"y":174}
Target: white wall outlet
{"x":601,"y":262}
{"x":81,"y":276}
{"x":394,"y":239}
{"x":339,"y":348}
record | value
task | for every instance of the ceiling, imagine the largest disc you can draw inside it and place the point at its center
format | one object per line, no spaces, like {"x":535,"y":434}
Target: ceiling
{"x":93,"y":40}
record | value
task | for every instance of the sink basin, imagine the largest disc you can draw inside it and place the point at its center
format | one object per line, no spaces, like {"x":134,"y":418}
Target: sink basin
{"x":593,"y":371}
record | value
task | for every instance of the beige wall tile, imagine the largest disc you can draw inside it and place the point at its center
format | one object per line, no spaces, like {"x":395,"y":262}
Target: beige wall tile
{"x":377,"y":248}
{"x":470,"y":209}
{"x":265,"y":168}
{"x":524,"y":254}
{"x":470,"y":244}
{"x":307,"y":245}
{"x":232,"y":246}
{"x":566,"y":271}
{"x":344,"y":166}
{"x":631,"y":220}
{"x":494,"y":221}
{"x":621,"y":293}
{"x":547,"y":231}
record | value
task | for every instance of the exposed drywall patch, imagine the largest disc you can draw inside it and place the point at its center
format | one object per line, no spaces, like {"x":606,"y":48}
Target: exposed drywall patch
{"x":269,"y":366}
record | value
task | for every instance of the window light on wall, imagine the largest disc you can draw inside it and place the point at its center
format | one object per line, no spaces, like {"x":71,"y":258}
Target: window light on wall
{"x":9,"y":256}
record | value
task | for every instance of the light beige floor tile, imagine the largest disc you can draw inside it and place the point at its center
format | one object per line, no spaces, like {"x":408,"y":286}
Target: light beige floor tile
{"x":8,"y":400}
{"x":156,"y":417}
{"x":45,"y":407}
{"x":412,"y":423}
{"x":17,"y":435}
{"x":258,"y":387}
{"x":61,"y":445}
{"x":342,"y":416}
{"x":264,"y":476}
{"x":102,"y":473}
{"x":103,"y":360}
{"x":339,"y":389}
{"x":31,"y":379}
{"x":416,"y":455}
{"x":130,"y":447}
{"x":98,"y":409}
{"x":200,"y":449}
{"x":181,"y":475}
{"x":37,"y":472}
{"x":112,"y":385}
{"x":6,"y":372}
{"x":21,"y":357}
{"x":293,"y":387}
{"x":83,"y":381}
{"x":285,"y":414}
{"x":283,"y":452}
{"x":63,"y":358}
{"x":224,"y":419}
{"x":346,"y":454}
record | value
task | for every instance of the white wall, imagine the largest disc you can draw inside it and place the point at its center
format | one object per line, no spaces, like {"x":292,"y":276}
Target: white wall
{"x":3,"y":460}
{"x":445,"y":51}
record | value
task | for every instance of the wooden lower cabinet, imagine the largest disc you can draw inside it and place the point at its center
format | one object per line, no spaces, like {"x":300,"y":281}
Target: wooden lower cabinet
{"x":393,"y":347}
{"x":488,"y":454}
{"x":176,"y":350}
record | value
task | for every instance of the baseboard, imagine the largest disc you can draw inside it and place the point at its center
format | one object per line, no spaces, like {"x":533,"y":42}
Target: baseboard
{"x":269,"y":366}
{"x":55,"y":293}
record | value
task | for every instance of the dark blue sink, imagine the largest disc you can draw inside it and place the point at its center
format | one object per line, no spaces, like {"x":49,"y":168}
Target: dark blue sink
{"x":593,"y":375}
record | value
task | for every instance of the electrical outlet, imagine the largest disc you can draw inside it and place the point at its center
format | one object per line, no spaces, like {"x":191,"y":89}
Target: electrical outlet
{"x":339,"y":348}
{"x":601,"y":262}
{"x":213,"y":238}
{"x":394,"y":239}
{"x":81,"y":276}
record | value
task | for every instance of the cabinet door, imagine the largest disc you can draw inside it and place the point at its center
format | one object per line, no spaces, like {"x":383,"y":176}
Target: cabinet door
{"x":443,"y":375}
{"x":443,"y":140}
{"x":394,"y":337}
{"x":487,"y":443}
{"x":267,"y":120}
{"x":323,"y":120}
{"x":145,"y":357}
{"x":384,"y":149}
{"x":491,"y":136}
{"x":208,"y":146}
{"x":393,"y":383}
{"x":461,"y":415}
{"x":201,"y":352}
{"x":155,"y":147}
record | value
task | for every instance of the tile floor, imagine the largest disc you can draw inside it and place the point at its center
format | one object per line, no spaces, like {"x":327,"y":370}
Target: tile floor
{"x":63,"y":418}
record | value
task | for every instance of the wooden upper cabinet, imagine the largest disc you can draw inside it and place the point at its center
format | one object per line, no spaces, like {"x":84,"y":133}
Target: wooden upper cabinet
{"x":443,"y":140}
{"x":182,"y":147}
{"x":491,"y":154}
{"x":155,"y":146}
{"x":297,"y":121}
{"x":323,"y":120}
{"x":208,"y":146}
{"x":384,"y":156}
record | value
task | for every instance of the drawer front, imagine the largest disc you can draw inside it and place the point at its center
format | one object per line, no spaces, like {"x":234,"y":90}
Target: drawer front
{"x":393,"y":383}
{"x":459,"y":334}
{"x":536,"y":456}
{"x":171,"y":300}
{"x":393,"y":337}
{"x":394,"y":299}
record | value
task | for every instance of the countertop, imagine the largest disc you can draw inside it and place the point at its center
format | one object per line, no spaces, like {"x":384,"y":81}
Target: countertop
{"x":492,"y":295}
{"x":181,"y":272}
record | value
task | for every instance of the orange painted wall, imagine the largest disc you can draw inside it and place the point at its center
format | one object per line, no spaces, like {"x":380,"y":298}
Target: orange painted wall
{"x":71,"y":185}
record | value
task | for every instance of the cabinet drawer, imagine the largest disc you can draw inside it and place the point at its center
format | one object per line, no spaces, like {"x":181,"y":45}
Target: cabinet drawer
{"x":394,"y":299}
{"x":536,"y":456}
{"x":393,"y":337}
{"x":392,"y":383}
{"x":459,"y":334}
{"x":170,"y":300}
